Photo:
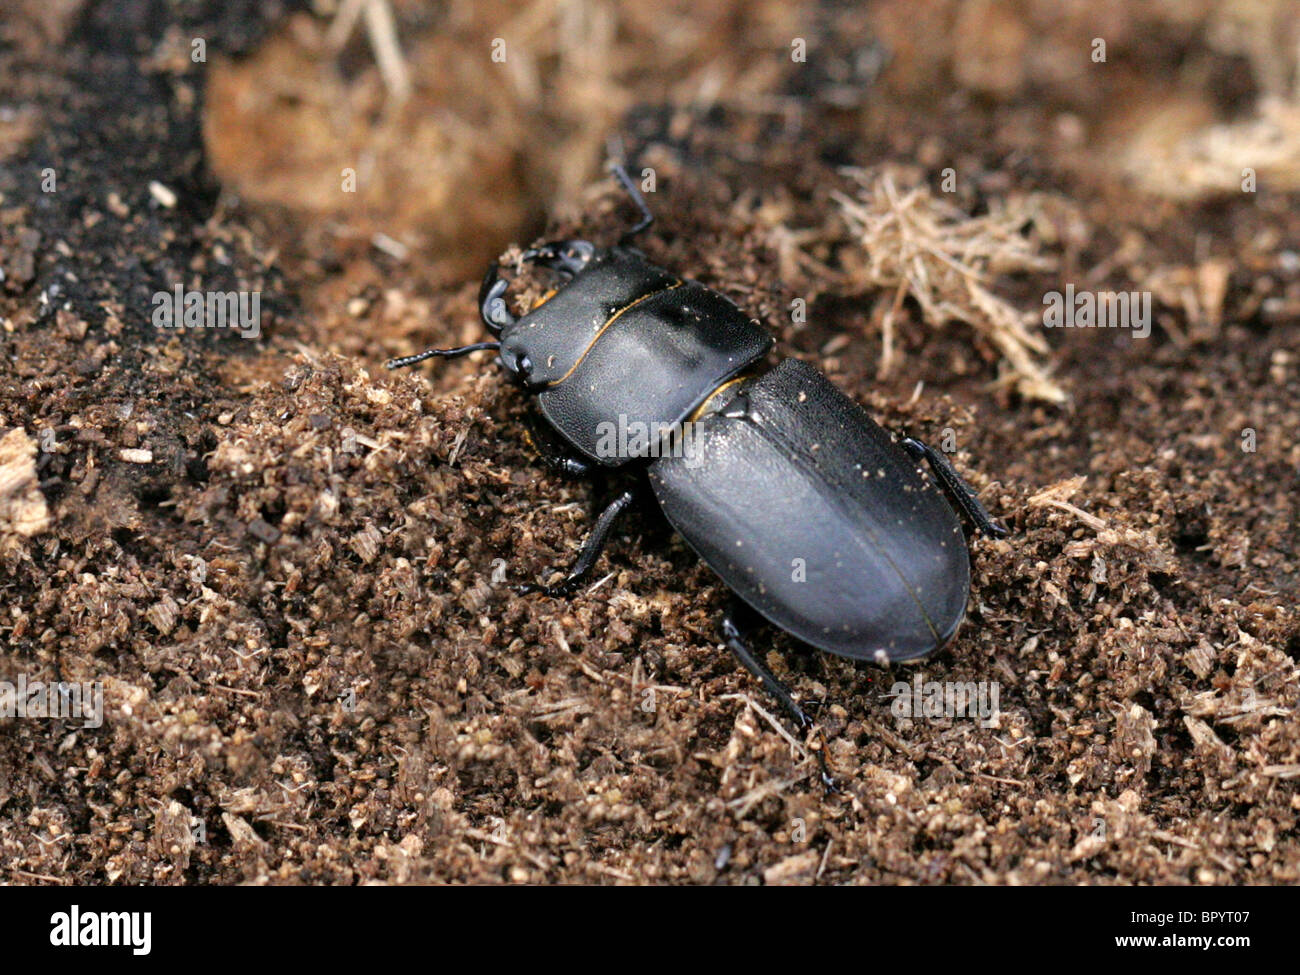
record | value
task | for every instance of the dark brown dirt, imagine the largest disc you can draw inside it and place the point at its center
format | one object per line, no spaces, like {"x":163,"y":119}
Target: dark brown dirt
{"x":296,"y":604}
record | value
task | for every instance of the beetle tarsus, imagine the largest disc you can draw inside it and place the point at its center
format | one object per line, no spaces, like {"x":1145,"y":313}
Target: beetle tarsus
{"x":589,"y":553}
{"x":647,"y":218}
{"x":962,"y":494}
{"x":828,"y":781}
{"x":739,"y":615}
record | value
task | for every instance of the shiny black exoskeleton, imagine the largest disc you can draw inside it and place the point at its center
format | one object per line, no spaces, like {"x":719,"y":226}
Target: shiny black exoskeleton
{"x":815,"y":517}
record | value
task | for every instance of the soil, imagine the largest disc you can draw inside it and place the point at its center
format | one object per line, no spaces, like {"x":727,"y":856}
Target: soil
{"x":290,"y":569}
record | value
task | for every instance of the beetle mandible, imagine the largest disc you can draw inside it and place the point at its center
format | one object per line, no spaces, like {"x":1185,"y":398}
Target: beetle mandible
{"x":781,"y":468}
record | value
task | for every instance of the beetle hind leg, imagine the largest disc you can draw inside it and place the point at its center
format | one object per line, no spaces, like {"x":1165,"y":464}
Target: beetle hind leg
{"x":735,"y":624}
{"x":961,"y":493}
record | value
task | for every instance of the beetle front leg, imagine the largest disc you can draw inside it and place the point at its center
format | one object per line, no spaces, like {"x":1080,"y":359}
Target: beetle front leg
{"x":737,"y":616}
{"x":647,"y":218}
{"x":570,"y":465}
{"x":590,"y":552}
{"x":961,"y":493}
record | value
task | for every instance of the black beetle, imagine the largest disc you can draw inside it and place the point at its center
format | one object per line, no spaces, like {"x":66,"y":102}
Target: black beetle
{"x":811,"y":513}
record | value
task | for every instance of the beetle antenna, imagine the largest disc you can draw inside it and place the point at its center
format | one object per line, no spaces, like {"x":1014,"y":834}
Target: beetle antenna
{"x":647,"y":218}
{"x":410,"y":360}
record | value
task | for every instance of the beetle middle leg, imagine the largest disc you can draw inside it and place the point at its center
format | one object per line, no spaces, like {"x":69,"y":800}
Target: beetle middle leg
{"x":590,"y":551}
{"x":738,"y":620}
{"x":961,"y":493}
